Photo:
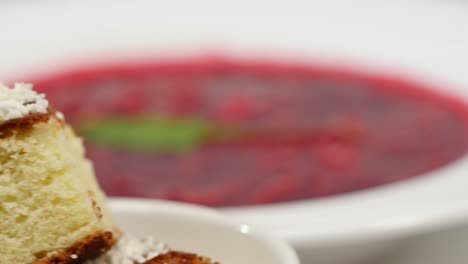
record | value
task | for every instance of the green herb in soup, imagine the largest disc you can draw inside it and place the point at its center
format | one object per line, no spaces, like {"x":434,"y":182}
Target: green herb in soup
{"x":160,"y":134}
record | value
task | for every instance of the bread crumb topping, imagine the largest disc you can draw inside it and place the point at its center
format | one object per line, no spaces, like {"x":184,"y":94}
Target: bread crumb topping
{"x":132,"y":251}
{"x":20,"y":101}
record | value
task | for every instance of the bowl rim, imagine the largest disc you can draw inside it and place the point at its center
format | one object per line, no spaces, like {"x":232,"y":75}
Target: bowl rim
{"x":393,"y":211}
{"x":149,"y":207}
{"x":388,"y":212}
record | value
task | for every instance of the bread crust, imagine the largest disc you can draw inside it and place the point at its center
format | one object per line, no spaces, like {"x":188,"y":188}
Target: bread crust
{"x":177,"y":257}
{"x":88,"y":248}
{"x":23,"y":124}
{"x":15,"y":126}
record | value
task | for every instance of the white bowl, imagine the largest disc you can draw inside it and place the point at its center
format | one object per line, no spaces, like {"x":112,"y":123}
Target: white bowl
{"x":413,"y":38}
{"x":201,"y":230}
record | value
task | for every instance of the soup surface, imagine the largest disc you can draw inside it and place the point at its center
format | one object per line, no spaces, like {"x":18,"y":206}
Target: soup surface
{"x":224,"y":133}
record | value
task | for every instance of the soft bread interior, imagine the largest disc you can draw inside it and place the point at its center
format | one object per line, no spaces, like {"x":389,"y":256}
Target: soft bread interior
{"x":49,"y":197}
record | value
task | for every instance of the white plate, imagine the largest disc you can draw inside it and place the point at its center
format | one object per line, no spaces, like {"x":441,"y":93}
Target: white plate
{"x":424,"y":39}
{"x":447,"y":246}
{"x":200,"y":230}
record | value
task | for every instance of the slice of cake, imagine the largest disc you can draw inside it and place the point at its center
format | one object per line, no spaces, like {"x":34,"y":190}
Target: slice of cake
{"x":52,"y":210}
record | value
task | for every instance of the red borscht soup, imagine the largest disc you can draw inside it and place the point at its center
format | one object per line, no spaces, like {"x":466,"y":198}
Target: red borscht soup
{"x":223,"y":133}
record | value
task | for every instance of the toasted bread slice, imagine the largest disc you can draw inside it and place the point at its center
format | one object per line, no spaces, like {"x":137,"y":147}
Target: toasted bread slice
{"x":51,"y":207}
{"x":177,"y":257}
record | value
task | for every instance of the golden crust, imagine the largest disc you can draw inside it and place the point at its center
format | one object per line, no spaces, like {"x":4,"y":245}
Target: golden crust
{"x":177,"y":257}
{"x":90,"y":247}
{"x":18,"y":125}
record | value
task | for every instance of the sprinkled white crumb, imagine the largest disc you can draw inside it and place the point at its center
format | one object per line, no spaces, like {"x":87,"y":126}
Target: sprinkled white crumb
{"x":132,"y":251}
{"x":60,"y":115}
{"x":20,"y":101}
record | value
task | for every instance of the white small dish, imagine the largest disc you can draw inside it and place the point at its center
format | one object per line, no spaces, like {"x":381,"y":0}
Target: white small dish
{"x":203,"y":231}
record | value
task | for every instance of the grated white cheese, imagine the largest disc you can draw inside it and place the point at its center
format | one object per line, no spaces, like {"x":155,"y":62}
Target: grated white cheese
{"x":132,"y":251}
{"x":20,"y":101}
{"x":60,"y":116}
